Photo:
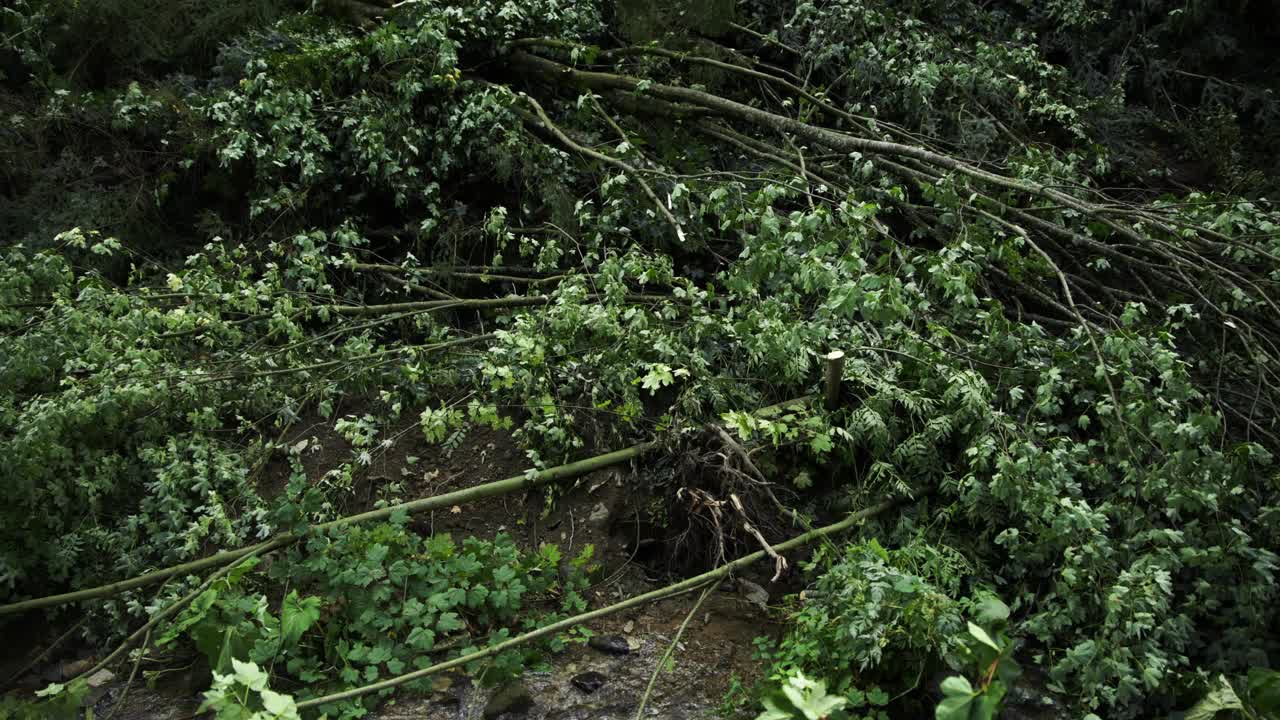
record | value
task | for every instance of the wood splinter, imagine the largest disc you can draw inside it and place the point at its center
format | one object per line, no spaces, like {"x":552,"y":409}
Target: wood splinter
{"x":779,"y":562}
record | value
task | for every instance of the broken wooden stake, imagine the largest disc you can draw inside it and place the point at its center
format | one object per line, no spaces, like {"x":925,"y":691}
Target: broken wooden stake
{"x":835,"y":371}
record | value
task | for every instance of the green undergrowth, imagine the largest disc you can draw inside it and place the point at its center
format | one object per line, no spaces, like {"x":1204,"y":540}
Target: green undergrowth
{"x":253,"y":250}
{"x":373,"y":602}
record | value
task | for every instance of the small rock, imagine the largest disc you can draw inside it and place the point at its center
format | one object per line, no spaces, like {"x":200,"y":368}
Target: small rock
{"x":76,"y":668}
{"x":445,"y":692}
{"x":513,"y":697}
{"x":98,"y":689}
{"x":599,"y":515}
{"x":588,"y":682}
{"x":753,"y":593}
{"x":100,"y":678}
{"x":611,"y":644}
{"x":629,"y":627}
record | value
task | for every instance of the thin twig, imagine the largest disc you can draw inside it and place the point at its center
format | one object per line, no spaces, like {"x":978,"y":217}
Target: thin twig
{"x":544,"y":120}
{"x":779,"y":562}
{"x":124,"y":694}
{"x":648,"y":690}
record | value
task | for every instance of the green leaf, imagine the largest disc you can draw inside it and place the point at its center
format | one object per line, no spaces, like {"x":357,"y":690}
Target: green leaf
{"x":421,"y":638}
{"x":906,"y":584}
{"x":194,"y":614}
{"x":448,"y":623}
{"x":296,"y":617}
{"x":983,"y":637}
{"x":376,"y":554}
{"x":447,"y":599}
{"x":953,"y":708}
{"x":987,"y":704}
{"x":777,"y":707}
{"x":1264,"y":690}
{"x":249,"y":675}
{"x":658,"y":377}
{"x":476,"y":596}
{"x":379,"y":654}
{"x":821,"y":444}
{"x":1222,"y":697}
{"x":242,"y":569}
{"x":226,"y":654}
{"x":991,"y":610}
{"x":957,"y":685}
{"x":279,"y":705}
{"x":811,"y":698}
{"x":51,"y":690}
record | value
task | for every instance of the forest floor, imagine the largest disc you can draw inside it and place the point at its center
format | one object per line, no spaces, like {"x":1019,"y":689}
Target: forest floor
{"x":579,"y":682}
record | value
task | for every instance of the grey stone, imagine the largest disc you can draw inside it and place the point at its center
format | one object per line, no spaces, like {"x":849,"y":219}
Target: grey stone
{"x":753,"y":593}
{"x":513,"y":697}
{"x":100,"y":678}
{"x":589,"y":682}
{"x":599,"y":515}
{"x":611,"y":644}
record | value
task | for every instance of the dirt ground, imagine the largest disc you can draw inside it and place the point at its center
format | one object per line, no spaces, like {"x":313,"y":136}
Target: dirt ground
{"x":599,"y":509}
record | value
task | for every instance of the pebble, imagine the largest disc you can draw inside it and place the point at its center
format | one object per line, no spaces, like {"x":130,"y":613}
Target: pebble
{"x":611,"y":644}
{"x":588,"y":682}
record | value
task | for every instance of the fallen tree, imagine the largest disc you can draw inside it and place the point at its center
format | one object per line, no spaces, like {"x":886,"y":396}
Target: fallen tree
{"x":588,"y":223}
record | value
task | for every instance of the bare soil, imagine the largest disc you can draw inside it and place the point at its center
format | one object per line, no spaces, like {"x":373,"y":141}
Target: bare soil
{"x":601,"y":509}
